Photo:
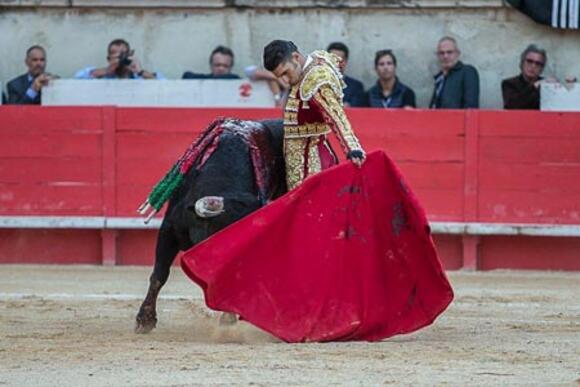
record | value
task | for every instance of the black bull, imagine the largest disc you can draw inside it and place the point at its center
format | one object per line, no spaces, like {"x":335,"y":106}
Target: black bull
{"x":221,"y":192}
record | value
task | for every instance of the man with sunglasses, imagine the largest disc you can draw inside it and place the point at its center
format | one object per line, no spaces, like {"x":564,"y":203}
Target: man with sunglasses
{"x":523,"y":91}
{"x":457,"y":84}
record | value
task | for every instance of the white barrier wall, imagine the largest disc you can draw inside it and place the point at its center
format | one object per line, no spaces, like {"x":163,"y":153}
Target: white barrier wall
{"x":173,"y":36}
{"x":169,"y":93}
{"x":556,"y":97}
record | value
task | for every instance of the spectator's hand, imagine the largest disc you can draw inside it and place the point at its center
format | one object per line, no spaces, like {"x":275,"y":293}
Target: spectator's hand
{"x":111,"y":68}
{"x":537,"y":84}
{"x":41,"y":81}
{"x":135,"y":65}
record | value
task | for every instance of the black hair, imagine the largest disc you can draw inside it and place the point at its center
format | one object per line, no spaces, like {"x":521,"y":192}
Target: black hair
{"x":338,"y":46}
{"x":536,"y":50}
{"x":118,"y":42}
{"x":222,"y":50}
{"x":35,"y":47}
{"x":379,"y":54}
{"x":277,"y":52}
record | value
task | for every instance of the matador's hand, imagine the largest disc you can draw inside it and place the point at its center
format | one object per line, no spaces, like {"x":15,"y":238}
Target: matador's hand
{"x":357,"y":156}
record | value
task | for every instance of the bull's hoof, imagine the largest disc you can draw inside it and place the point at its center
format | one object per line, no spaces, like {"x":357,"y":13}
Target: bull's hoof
{"x":228,"y":319}
{"x":145,"y":323}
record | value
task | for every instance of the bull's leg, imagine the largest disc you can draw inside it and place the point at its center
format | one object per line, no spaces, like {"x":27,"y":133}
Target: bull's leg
{"x":165,"y":252}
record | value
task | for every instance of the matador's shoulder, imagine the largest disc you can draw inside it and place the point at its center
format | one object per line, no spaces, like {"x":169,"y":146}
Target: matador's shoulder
{"x":322,"y":71}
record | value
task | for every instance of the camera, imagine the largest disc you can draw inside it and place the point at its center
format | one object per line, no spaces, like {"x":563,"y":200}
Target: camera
{"x":125,"y":59}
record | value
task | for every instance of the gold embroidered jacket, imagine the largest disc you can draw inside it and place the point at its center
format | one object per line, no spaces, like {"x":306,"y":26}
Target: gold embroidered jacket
{"x":314,"y":105}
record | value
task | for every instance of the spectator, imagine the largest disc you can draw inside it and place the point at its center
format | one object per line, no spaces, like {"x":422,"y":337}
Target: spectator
{"x":123,"y":64}
{"x":354,"y":94}
{"x":277,"y":86}
{"x":389,"y":92}
{"x":523,"y":91}
{"x":457,"y":84}
{"x":27,"y":88}
{"x":221,"y":62}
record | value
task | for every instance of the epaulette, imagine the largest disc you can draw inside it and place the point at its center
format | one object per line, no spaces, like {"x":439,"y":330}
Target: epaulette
{"x":324,"y":70}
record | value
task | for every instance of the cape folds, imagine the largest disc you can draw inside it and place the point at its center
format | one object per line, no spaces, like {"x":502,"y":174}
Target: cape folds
{"x":346,"y":256}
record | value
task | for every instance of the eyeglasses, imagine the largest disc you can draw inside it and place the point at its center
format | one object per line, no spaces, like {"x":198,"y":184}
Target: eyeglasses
{"x":534,"y":62}
{"x":443,"y":53}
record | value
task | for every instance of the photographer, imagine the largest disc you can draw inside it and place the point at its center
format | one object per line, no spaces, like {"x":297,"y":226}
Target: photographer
{"x":123,"y":64}
{"x":26,"y":89}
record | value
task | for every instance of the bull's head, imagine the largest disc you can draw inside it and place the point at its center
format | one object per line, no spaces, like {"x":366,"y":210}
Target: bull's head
{"x":209,"y":206}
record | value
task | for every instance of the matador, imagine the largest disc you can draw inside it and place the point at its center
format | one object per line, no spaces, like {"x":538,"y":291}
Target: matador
{"x":313,"y":109}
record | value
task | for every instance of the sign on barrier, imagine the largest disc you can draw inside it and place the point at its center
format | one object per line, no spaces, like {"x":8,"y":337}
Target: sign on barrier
{"x":556,"y":97}
{"x":158,"y":93}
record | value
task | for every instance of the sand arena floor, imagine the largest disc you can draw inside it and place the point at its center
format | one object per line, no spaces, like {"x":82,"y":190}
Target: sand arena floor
{"x":72,"y":326}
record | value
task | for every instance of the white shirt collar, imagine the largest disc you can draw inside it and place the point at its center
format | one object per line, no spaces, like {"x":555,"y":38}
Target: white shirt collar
{"x":309,"y":60}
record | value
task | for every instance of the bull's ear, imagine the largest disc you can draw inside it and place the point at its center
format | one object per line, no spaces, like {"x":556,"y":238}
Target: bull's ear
{"x":208,"y":206}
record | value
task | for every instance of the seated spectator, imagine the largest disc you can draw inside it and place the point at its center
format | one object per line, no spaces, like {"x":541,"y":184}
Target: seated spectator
{"x":389,"y":92}
{"x":277,"y":86}
{"x":123,"y":64}
{"x":354,"y":93}
{"x":457,"y":84}
{"x":27,"y":88}
{"x":523,"y":91}
{"x":221,"y":62}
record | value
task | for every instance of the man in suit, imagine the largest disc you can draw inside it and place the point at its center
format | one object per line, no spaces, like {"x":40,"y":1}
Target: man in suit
{"x":457,"y":84}
{"x":26,"y":89}
{"x":354,"y":93}
{"x":523,"y":91}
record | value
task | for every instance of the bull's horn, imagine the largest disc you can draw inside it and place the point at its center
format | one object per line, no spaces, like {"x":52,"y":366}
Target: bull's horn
{"x":143,"y":208}
{"x":150,"y":216}
{"x":209,"y":206}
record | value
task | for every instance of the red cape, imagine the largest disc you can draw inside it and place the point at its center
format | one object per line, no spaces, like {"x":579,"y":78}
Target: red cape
{"x":346,"y":256}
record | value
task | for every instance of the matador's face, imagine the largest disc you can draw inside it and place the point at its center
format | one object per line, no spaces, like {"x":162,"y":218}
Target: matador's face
{"x":290,"y":71}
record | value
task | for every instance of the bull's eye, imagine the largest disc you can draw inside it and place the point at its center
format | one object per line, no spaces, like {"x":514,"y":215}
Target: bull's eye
{"x":209,"y":206}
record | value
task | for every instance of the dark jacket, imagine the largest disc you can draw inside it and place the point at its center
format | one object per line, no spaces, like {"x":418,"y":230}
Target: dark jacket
{"x":192,"y":75}
{"x":460,"y":88}
{"x":401,"y":96}
{"x":17,"y":91}
{"x":354,"y":93}
{"x":520,"y":94}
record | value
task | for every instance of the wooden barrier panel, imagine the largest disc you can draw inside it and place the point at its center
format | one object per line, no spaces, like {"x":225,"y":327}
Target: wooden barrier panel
{"x":51,"y":161}
{"x":465,"y":166}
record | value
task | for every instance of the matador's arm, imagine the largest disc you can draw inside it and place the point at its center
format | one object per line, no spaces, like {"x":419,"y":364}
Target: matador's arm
{"x":334,"y":115}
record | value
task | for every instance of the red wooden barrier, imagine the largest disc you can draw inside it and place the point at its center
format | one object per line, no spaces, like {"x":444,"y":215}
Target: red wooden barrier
{"x":466,"y":166}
